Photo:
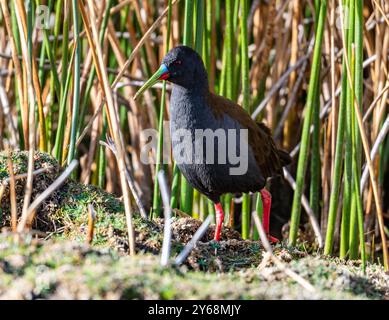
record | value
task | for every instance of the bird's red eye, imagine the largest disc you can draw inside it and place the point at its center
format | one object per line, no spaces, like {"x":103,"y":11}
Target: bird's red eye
{"x":177,"y":62}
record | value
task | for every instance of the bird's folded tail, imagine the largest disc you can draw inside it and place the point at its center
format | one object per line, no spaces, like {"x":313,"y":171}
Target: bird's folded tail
{"x":285,"y":158}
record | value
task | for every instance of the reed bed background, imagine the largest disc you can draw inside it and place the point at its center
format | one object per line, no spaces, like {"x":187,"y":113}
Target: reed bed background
{"x":316,"y":72}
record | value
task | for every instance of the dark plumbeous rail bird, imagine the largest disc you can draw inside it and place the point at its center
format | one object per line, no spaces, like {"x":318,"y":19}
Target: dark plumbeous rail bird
{"x":198,"y":115}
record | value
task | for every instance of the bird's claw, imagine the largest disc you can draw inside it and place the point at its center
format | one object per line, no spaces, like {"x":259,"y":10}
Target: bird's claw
{"x":272,"y":239}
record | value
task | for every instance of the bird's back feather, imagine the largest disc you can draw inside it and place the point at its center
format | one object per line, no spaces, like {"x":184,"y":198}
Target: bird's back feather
{"x":269,"y":158}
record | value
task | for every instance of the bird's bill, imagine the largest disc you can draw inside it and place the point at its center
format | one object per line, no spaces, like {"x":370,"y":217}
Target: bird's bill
{"x":161,"y":74}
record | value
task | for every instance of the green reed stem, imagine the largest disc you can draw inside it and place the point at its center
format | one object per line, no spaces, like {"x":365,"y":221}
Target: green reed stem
{"x":246,"y":209}
{"x":157,"y":207}
{"x":65,"y":84}
{"x":314,"y":192}
{"x":357,"y":151}
{"x":175,"y":186}
{"x":58,"y":146}
{"x":305,"y":140}
{"x":336,"y":179}
{"x":229,"y":71}
{"x":350,"y":137}
{"x":102,"y":160}
{"x":347,"y":214}
{"x":76,"y":84}
{"x":186,"y":198}
{"x":259,"y":210}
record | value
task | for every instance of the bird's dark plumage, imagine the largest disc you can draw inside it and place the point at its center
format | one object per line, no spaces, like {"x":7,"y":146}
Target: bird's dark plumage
{"x":193,"y":107}
{"x":241,"y":154}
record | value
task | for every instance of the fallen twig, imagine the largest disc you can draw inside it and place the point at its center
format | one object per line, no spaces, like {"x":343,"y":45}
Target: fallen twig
{"x":24,"y":175}
{"x":196,"y":237}
{"x":167,"y":231}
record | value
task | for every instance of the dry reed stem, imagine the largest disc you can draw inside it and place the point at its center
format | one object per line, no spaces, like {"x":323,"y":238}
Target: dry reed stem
{"x":112,"y":114}
{"x":125,"y":66}
{"x":141,"y":42}
{"x":31,"y":111}
{"x":279,"y":84}
{"x":32,"y":70}
{"x":290,"y":123}
{"x":18,"y":69}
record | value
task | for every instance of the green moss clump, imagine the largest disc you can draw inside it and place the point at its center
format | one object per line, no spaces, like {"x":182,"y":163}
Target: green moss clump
{"x":64,"y":214}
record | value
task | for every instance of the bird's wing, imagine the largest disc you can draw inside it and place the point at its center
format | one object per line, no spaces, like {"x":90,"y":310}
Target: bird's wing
{"x":260,"y":140}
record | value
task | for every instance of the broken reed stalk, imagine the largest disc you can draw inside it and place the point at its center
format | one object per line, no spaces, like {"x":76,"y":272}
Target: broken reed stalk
{"x":167,"y":231}
{"x":91,"y":224}
{"x":196,"y":237}
{"x":113,"y":120}
{"x":269,"y":251}
{"x":26,"y":220}
{"x":12,"y":193}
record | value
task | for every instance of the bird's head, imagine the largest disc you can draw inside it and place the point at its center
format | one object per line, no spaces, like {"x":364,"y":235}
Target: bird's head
{"x":182,"y":66}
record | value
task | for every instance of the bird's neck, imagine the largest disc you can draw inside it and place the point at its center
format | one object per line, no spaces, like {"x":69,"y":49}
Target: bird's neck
{"x":188,"y":106}
{"x":194,"y":99}
{"x":196,"y":91}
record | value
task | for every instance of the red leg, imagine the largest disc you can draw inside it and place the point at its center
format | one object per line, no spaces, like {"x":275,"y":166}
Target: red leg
{"x":266,"y":200}
{"x":219,"y":220}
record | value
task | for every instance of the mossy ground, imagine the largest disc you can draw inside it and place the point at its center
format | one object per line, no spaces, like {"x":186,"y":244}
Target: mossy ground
{"x":61,"y":265}
{"x":33,"y":269}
